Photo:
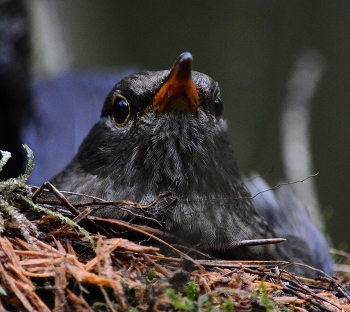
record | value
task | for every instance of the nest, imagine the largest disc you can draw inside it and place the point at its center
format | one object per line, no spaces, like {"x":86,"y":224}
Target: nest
{"x":49,"y":261}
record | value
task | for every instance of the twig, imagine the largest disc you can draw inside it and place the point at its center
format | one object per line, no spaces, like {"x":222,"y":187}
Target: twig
{"x":340,"y":289}
{"x":240,"y":263}
{"x":68,"y":205}
{"x":77,"y":219}
{"x":256,"y":242}
{"x":288,"y":289}
{"x":125,"y":225}
{"x":283,"y":184}
{"x":137,"y":229}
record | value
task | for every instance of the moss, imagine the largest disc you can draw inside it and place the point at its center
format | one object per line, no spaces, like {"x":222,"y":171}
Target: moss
{"x":9,"y":199}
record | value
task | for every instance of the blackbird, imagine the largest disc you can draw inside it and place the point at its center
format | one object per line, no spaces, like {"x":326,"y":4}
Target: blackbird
{"x":163,"y":131}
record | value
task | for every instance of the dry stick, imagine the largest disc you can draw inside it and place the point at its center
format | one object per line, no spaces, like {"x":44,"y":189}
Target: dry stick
{"x":119,"y":204}
{"x":79,"y":303}
{"x":286,"y":276}
{"x":256,"y":242}
{"x":136,"y":229}
{"x":161,"y":257}
{"x":109,"y":303}
{"x":283,"y":184}
{"x":192,"y":249}
{"x":305,"y":289}
{"x":100,"y":201}
{"x":68,"y":205}
{"x":77,"y":219}
{"x":158,"y":198}
{"x":240,"y":263}
{"x":262,"y":273}
{"x":21,"y":297}
{"x":60,"y":286}
{"x":340,"y":289}
{"x":304,"y":265}
{"x":308,"y":291}
{"x":124,"y":225}
{"x":288,"y":289}
{"x":102,"y":255}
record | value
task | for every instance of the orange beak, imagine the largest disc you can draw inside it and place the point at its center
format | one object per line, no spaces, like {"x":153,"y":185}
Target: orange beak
{"x":179,"y":91}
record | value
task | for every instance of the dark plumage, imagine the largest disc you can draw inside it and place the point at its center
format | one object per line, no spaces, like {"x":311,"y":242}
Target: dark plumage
{"x":163,"y":131}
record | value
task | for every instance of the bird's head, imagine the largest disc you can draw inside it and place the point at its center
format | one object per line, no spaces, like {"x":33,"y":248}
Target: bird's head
{"x":178,"y":91}
{"x":162,"y":131}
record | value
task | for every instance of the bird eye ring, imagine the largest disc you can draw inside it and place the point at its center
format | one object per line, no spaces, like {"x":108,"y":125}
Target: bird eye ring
{"x":120,"y":110}
{"x":218,"y":107}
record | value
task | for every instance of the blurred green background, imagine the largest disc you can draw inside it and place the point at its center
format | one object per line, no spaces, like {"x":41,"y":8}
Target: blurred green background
{"x":249,"y":47}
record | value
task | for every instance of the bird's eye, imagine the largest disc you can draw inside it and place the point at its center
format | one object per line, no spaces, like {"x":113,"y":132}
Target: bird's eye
{"x":218,"y":107}
{"x":120,"y":110}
